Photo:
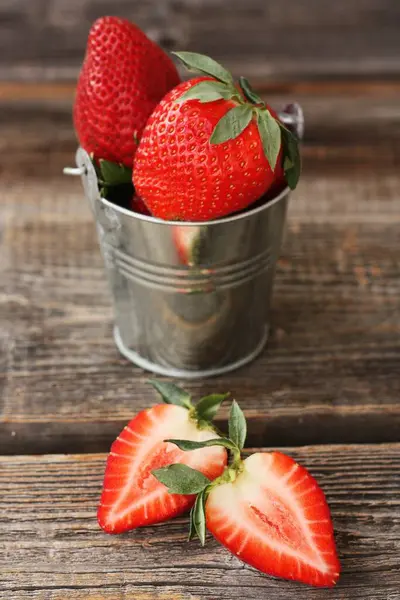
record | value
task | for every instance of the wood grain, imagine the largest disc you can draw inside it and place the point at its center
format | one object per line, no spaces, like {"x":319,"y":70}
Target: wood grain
{"x":53,"y":547}
{"x":45,"y":39}
{"x":331,"y":371}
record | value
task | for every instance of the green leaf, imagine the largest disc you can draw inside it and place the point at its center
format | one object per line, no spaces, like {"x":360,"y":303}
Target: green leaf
{"x":291,"y":157}
{"x":237,"y":425}
{"x":249,"y":92}
{"x":171,"y":393}
{"x":232,"y":124}
{"x":113,"y":174}
{"x":270,"y":134}
{"x":198,"y":518}
{"x":208,"y":91}
{"x":181,"y":479}
{"x":188,"y":445}
{"x":208,"y":406}
{"x":204,"y":64}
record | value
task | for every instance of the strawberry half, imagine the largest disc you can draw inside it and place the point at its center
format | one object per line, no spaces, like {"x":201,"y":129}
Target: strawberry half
{"x":123,"y":77}
{"x":132,"y":497}
{"x":275,"y":518}
{"x":211,"y":148}
{"x":267,"y":510}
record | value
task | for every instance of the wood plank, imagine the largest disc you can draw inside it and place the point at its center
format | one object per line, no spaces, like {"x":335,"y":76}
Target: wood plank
{"x":53,"y":547}
{"x":332,"y":114}
{"x":331,"y":371}
{"x":45,"y":40}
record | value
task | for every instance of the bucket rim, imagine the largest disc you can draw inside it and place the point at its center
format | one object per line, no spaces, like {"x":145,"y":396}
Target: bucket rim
{"x":221,"y":221}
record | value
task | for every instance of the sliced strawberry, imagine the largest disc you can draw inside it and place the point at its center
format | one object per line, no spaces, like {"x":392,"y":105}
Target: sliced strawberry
{"x":267,"y":510}
{"x":132,"y":497}
{"x":275,"y":518}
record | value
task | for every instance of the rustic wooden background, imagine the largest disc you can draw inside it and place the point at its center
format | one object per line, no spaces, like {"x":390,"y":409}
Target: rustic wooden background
{"x":326,"y":389}
{"x":45,"y":39}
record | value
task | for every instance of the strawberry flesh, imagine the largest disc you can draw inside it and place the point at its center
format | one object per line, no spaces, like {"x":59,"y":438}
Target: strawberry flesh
{"x":132,"y":497}
{"x":275,"y":518}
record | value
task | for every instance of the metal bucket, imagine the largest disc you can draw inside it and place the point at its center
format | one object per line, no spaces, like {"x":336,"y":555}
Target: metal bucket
{"x":190,"y":299}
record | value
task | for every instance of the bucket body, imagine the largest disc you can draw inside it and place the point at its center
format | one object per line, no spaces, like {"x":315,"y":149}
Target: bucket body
{"x":190,"y":299}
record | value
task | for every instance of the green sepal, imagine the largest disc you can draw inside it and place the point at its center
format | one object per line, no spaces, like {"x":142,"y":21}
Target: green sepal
{"x":232,"y":124}
{"x":208,"y":91}
{"x":208,"y":406}
{"x":237,"y":426}
{"x":188,"y":445}
{"x":291,"y":160}
{"x":110,"y":175}
{"x":113,"y":173}
{"x":198,"y":518}
{"x":249,"y":92}
{"x":270,"y":134}
{"x":204,"y":64}
{"x":181,"y":479}
{"x":171,"y":393}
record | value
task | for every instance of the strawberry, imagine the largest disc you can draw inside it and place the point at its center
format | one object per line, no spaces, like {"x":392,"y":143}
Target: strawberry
{"x":138,"y":206}
{"x":123,"y":77}
{"x":211,"y":147}
{"x":267,"y":510}
{"x":278,"y":520}
{"x":132,"y":497}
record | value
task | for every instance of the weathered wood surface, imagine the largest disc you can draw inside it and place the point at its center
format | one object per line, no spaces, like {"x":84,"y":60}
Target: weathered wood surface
{"x":45,"y":39}
{"x":331,"y":372}
{"x":53,"y":548}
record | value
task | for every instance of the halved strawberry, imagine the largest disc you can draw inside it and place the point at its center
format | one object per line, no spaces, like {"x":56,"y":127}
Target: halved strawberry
{"x":132,"y":497}
{"x":267,"y":510}
{"x":275,"y":518}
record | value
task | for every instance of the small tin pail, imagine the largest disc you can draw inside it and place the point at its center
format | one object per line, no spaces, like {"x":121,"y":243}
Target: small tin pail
{"x":190,"y":299}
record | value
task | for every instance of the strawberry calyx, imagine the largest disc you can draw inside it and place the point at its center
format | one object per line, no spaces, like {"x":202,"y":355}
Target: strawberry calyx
{"x":181,"y":479}
{"x":248,"y":107}
{"x":202,"y":413}
{"x":110,"y":175}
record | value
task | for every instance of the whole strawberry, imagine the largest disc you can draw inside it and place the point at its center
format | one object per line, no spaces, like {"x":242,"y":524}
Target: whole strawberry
{"x":211,"y":148}
{"x":123,"y":77}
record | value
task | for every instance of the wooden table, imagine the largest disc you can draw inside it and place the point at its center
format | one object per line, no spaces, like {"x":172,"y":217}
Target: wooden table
{"x":326,"y":389}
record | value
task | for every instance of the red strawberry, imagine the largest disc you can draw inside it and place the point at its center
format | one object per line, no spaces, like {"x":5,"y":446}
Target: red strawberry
{"x":139,"y":206}
{"x":275,"y":518}
{"x":123,"y":77}
{"x":267,"y":510}
{"x":132,"y":497}
{"x":211,"y":148}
